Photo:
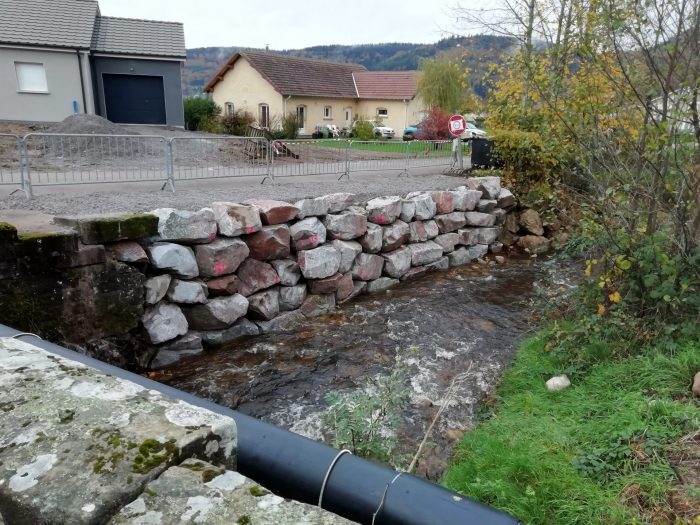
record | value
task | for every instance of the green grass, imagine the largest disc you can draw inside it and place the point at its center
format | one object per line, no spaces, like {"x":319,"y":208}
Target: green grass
{"x":394,"y":146}
{"x":567,"y":457}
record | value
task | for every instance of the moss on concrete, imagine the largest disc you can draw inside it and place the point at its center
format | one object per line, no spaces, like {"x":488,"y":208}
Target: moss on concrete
{"x":99,"y":229}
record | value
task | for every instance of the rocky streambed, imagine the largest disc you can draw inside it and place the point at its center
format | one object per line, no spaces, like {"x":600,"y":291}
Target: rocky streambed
{"x":461,"y":324}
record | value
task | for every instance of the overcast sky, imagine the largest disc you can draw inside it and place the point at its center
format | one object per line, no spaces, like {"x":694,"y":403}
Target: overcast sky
{"x":294,"y":24}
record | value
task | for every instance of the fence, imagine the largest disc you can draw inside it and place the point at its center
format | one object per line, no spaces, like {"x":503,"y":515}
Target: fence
{"x":45,"y":159}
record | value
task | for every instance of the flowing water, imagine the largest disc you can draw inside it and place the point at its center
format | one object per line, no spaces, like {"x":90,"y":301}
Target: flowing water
{"x":464,"y":321}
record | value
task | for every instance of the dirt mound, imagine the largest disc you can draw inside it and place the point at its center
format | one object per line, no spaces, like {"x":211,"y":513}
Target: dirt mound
{"x":88,"y":125}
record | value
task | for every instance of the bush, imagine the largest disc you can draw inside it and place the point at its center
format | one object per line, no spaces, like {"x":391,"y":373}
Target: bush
{"x":434,"y":126}
{"x":523,"y":154}
{"x":284,"y":128}
{"x":363,"y":129}
{"x":199,"y":109}
{"x":237,"y":123}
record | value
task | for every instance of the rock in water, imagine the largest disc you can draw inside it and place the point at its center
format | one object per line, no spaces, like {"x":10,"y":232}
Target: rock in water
{"x":217,"y":314}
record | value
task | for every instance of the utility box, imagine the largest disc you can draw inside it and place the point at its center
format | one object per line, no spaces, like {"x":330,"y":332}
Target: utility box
{"x":482,"y":153}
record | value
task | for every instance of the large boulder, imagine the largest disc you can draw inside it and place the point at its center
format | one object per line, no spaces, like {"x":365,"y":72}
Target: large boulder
{"x":170,"y":353}
{"x":186,"y":226}
{"x":320,"y":262}
{"x":348,"y":251}
{"x":489,"y":186}
{"x":408,"y":210}
{"x":346,"y":225}
{"x":511,"y":223}
{"x":338,"y":202}
{"x":226,"y":285}
{"x":486,"y":206}
{"x":500,"y":215}
{"x":506,"y":199}
{"x":450,"y":222}
{"x":292,"y":297}
{"x":307,"y":234}
{"x":465,"y":200}
{"x":473,"y":236}
{"x":424,"y":253}
{"x":187,"y":292}
{"x":174,"y":258}
{"x":274,"y":212}
{"x":367,"y":267}
{"x":417,"y":231}
{"x":236,"y":219}
{"x":397,"y":263}
{"x":475,"y":218}
{"x":371,"y":241}
{"x":448,"y":241}
{"x":466,"y":255}
{"x":265,"y":305}
{"x":534,"y":244}
{"x":287,"y":270}
{"x":156,"y":288}
{"x":217,"y":314}
{"x":443,"y":201}
{"x":381,"y":284}
{"x":530,"y":221}
{"x":312,"y":207}
{"x":256,"y":275}
{"x":383,"y":210}
{"x":221,"y":257}
{"x":425,"y":207}
{"x":164,"y":322}
{"x":395,"y":235}
{"x":346,"y":286}
{"x":327,"y":285}
{"x":271,"y":242}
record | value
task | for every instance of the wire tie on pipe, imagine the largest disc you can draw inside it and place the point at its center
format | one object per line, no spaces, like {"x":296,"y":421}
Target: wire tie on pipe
{"x":386,"y":489}
{"x":328,"y":474}
{"x":17,"y":336}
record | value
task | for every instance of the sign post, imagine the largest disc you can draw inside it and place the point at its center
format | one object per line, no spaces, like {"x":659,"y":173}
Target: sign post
{"x":456,"y":126}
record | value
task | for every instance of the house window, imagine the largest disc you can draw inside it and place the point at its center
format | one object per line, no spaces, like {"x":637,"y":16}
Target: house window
{"x":228,"y":108}
{"x":264,"y":115}
{"x":327,"y":112}
{"x":382,"y":112}
{"x":31,"y":77}
{"x":301,"y":116}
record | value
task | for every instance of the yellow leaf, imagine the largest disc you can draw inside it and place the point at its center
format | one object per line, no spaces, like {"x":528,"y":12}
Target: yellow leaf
{"x":601,"y":309}
{"x":615,"y":297}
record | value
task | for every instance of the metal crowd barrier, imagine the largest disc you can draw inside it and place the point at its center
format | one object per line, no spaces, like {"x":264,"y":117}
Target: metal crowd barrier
{"x":49,"y":159}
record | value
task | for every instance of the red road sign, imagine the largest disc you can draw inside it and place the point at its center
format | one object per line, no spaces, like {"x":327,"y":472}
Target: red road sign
{"x":457,"y":125}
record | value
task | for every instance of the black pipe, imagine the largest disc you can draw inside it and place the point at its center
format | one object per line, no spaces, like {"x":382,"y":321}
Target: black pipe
{"x":296,"y":467}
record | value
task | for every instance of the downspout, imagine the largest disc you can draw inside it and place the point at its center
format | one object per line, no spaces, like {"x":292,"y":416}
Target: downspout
{"x":82,"y":79}
{"x":298,"y":468}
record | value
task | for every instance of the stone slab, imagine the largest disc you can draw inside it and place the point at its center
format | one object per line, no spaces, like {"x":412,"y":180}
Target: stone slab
{"x":111,"y":227}
{"x":95,"y":446}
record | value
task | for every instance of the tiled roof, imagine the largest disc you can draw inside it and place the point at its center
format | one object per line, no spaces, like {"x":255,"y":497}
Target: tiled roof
{"x":297,"y":76}
{"x":398,"y":85}
{"x":54,"y":23}
{"x":130,"y":36}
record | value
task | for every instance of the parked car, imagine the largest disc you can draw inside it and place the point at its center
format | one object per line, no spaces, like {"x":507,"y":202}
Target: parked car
{"x":380,"y":131}
{"x":410,"y":132}
{"x":473,"y":132}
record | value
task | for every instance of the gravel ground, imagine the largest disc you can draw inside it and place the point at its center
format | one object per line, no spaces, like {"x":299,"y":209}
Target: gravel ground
{"x":203,"y":193}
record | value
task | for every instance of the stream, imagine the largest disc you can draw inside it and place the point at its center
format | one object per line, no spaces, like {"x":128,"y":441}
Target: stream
{"x":466,"y":321}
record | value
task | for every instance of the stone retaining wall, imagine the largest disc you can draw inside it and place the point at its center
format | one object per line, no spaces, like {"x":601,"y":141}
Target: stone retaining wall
{"x":178,"y":281}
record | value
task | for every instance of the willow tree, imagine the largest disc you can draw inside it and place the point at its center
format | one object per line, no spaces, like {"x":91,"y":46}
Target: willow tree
{"x":443,"y":84}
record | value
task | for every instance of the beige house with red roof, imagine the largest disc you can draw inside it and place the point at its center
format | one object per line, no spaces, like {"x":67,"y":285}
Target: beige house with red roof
{"x":318,"y":92}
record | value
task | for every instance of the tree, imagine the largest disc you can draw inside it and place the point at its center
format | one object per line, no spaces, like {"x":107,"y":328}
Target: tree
{"x":443,"y":84}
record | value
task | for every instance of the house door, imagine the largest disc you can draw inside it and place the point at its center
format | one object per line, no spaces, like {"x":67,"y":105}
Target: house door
{"x":348,"y":117}
{"x":301,"y":119}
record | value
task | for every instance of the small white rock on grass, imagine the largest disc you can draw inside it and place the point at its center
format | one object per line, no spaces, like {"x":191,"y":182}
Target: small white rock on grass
{"x":557,"y":383}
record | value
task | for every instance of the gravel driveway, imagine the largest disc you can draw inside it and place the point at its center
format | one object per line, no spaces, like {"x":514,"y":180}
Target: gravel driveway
{"x":193,"y":195}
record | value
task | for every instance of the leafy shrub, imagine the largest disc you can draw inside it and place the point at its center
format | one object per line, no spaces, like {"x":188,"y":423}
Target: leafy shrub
{"x":198,"y":109}
{"x":237,"y":123}
{"x":286,"y":127}
{"x":363,"y":129}
{"x":523,"y":153}
{"x":210,"y":125}
{"x":434,"y":126}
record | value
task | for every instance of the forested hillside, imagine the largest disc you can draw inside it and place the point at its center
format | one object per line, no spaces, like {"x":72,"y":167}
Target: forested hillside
{"x":479,"y":53}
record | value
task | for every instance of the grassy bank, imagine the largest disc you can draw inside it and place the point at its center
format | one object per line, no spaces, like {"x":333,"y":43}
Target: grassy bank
{"x":604,"y":451}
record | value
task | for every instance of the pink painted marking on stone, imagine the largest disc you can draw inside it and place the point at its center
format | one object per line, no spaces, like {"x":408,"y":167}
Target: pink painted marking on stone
{"x":250,"y":229}
{"x":219,"y":267}
{"x":212,"y":235}
{"x":277,"y":280}
{"x":314,"y":239}
{"x":381,"y":219}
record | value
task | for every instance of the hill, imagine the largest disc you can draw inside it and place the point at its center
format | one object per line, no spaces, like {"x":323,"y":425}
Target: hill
{"x":479,"y":52}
